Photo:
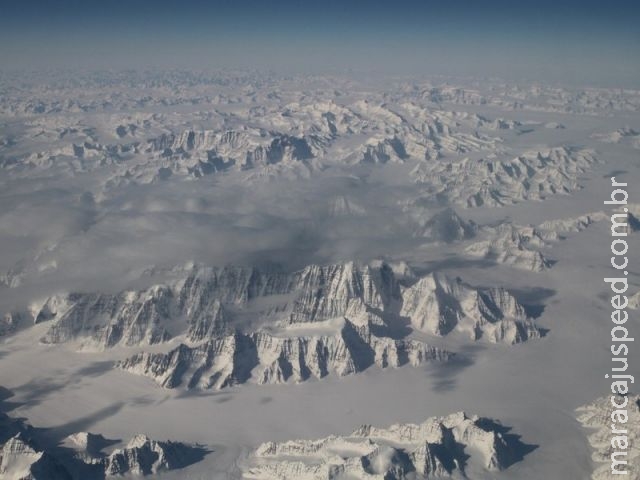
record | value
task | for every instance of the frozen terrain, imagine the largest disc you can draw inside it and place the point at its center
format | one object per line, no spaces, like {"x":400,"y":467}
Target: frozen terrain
{"x":25,"y":455}
{"x":456,"y":445}
{"x":198,"y":268}
{"x":596,"y":417}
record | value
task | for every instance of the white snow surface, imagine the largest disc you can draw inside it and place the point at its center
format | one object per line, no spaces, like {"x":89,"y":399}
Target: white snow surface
{"x":233,"y":260}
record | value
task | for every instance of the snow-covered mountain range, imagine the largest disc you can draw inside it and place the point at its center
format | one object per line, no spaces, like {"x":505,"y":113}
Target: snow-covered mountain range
{"x":234,"y":259}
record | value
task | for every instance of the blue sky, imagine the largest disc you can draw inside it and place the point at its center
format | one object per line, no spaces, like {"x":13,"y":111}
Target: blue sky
{"x":561,"y":41}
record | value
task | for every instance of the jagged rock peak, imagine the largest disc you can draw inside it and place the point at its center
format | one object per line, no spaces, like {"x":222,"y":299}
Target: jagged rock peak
{"x":207,"y":303}
{"x":143,"y":456}
{"x":439,"y":305}
{"x":439,"y":447}
{"x":515,"y":245}
{"x":447,"y":226}
{"x":264,"y":358}
{"x":21,"y":460}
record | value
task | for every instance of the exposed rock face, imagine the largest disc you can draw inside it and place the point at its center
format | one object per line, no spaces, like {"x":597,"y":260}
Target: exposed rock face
{"x":208,"y":304}
{"x":146,"y":317}
{"x":342,"y":290}
{"x":267,"y":359}
{"x":307,"y":133}
{"x":381,"y":151}
{"x":573,"y":224}
{"x":352,"y":302}
{"x":213,"y":151}
{"x":143,"y":456}
{"x":447,"y":226}
{"x":84,"y":455}
{"x":20,"y":460}
{"x":129,"y":318}
{"x":494,"y":182}
{"x":88,"y":444}
{"x":439,"y":305}
{"x":597,"y":417}
{"x":200,"y":153}
{"x":521,"y":246}
{"x":439,"y":447}
{"x":513,"y":245}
